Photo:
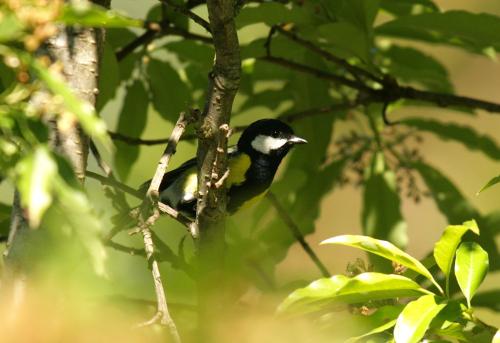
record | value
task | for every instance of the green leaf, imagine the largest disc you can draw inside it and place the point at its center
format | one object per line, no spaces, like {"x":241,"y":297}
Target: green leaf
{"x":381,"y":215}
{"x":132,"y":121}
{"x":444,"y":249}
{"x":109,"y":76}
{"x":10,"y":27}
{"x":35,"y":174}
{"x":374,"y":331}
{"x":80,"y":218}
{"x":413,"y":66}
{"x":475,"y":32}
{"x":88,"y":14}
{"x":415,"y":319}
{"x":489,"y":299}
{"x":384,"y":249}
{"x":342,"y":289}
{"x":407,"y":7}
{"x":170,"y":93}
{"x":345,"y":39}
{"x":463,"y":134}
{"x":471,"y":266}
{"x":490,"y":183}
{"x":270,"y":13}
{"x":84,"y":111}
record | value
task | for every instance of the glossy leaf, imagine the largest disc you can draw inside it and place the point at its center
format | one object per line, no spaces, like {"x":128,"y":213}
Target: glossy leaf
{"x":88,"y":14}
{"x":471,"y":266}
{"x":459,"y":133}
{"x":379,"y":329}
{"x":473,"y":31}
{"x":384,"y":249}
{"x":457,"y":209}
{"x":342,"y":289}
{"x":35,"y":175}
{"x":84,"y":111}
{"x":444,"y":249}
{"x":381,"y":215}
{"x":490,"y":183}
{"x":415,"y":319}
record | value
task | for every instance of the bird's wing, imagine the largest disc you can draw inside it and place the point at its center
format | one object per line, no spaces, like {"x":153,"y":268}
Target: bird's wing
{"x":170,"y":177}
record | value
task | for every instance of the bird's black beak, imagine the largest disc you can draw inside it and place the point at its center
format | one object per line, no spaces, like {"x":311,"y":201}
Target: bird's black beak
{"x":296,"y":140}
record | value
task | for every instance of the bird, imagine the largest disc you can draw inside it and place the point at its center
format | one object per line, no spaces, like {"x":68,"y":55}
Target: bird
{"x":252,"y":165}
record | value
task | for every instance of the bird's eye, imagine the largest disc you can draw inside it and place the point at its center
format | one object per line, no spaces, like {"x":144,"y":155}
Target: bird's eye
{"x":275,"y":134}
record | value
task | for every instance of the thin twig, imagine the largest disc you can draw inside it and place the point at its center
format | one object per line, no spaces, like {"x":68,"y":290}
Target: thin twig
{"x":285,"y":216}
{"x":193,"y":16}
{"x":354,"y":70}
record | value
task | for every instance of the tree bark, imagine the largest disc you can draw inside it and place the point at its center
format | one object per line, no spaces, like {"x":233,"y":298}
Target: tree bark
{"x":79,"y":52}
{"x":212,"y":158}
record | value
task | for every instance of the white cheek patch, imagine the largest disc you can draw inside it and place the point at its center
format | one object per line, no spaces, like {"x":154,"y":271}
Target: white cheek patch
{"x":266,"y":144}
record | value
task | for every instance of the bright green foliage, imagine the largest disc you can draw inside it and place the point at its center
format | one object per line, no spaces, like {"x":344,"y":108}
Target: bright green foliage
{"x":444,"y":249}
{"x":414,"y":321}
{"x":384,"y":249}
{"x":341,"y":289}
{"x":490,"y":183}
{"x":431,"y":313}
{"x":471,"y":266}
{"x":87,"y":14}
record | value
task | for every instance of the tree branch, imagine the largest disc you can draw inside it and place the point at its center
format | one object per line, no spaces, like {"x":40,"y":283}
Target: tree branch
{"x":285,"y":216}
{"x":193,"y":16}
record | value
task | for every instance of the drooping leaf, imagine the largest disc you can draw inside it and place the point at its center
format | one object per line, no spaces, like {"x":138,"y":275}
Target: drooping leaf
{"x":471,"y":266}
{"x":342,"y":289}
{"x":490,"y":183}
{"x":459,"y":133}
{"x":414,"y":321}
{"x":84,"y":111}
{"x":170,"y":94}
{"x":88,"y":14}
{"x":381,"y":216}
{"x":413,"y":66}
{"x":35,"y":176}
{"x":472,"y":31}
{"x":444,"y":249}
{"x":384,"y":249}
{"x":132,"y":121}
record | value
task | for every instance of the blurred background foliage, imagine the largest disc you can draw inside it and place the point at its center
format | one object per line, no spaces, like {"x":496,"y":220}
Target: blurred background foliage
{"x":401,"y":182}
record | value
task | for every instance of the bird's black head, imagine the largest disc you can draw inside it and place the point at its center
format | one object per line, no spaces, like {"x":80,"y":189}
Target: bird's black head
{"x":268,"y":137}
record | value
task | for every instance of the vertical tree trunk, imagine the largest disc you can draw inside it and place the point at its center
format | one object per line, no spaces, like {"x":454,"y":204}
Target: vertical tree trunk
{"x":79,"y":52}
{"x":212,"y":159}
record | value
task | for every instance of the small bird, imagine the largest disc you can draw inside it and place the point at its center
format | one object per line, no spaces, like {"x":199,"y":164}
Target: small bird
{"x":252,"y":165}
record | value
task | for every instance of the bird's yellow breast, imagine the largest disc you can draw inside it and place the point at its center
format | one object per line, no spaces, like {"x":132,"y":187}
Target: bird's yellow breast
{"x":238,"y":166}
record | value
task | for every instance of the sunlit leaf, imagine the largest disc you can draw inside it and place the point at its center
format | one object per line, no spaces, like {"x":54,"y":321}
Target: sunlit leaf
{"x":88,"y":14}
{"x":384,"y":249}
{"x":36,"y":173}
{"x":490,"y":183}
{"x":496,"y":338}
{"x":10,"y":27}
{"x":84,"y":111}
{"x":342,"y":289}
{"x":471,"y":266}
{"x":414,"y":321}
{"x":379,"y":329}
{"x":444,"y":249}
{"x":459,"y":133}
